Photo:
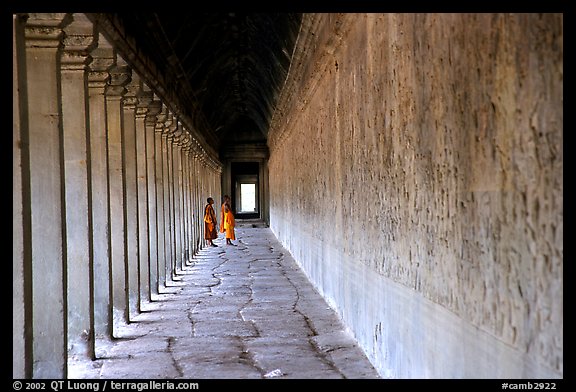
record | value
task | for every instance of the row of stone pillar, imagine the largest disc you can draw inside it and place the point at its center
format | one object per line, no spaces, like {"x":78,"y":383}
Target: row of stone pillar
{"x":108,"y":192}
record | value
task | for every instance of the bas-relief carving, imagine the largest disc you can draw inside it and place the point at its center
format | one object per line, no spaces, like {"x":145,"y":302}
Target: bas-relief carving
{"x":446,"y":211}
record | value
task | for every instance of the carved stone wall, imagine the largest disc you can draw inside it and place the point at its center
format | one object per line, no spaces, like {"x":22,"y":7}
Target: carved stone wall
{"x":416,"y":175}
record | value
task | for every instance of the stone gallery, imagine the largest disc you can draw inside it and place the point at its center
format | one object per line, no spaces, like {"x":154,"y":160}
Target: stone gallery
{"x":396,"y":182}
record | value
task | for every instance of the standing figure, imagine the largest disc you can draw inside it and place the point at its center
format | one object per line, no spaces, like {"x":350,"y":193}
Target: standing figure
{"x":223,"y":213}
{"x":210,"y":232}
{"x":229,"y":224}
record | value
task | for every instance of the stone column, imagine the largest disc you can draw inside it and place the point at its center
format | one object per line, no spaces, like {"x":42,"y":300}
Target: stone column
{"x":180,"y":138}
{"x":130,"y":196}
{"x":184,"y":194}
{"x":201,"y":198}
{"x":46,"y":243}
{"x":210,"y":179}
{"x":102,"y":61}
{"x":144,"y":99}
{"x":193,"y":198}
{"x":119,"y":77}
{"x":21,"y":263}
{"x":191,"y":213}
{"x":168,"y":195}
{"x":206,"y":181}
{"x":177,"y":196}
{"x":194,"y":211}
{"x":78,"y":41}
{"x":154,"y":109}
{"x":160,"y":203}
{"x":198,"y":203}
{"x":202,"y":194}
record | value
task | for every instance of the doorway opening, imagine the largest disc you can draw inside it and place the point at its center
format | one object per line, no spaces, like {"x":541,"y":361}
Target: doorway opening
{"x":247,"y":197}
{"x":245,"y":190}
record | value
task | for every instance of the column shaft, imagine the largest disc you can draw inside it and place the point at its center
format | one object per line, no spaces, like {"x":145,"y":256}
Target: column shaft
{"x":198,"y":223}
{"x":21,"y":263}
{"x":151,"y":180}
{"x":99,"y":193}
{"x":167,"y":214}
{"x":180,"y":246}
{"x":131,"y":198}
{"x":142,"y":189}
{"x":79,"y":37}
{"x":160,"y":210}
{"x":116,"y":178}
{"x":47,"y":239}
{"x":178,"y":225}
{"x":175,"y":210}
{"x":186,"y":203}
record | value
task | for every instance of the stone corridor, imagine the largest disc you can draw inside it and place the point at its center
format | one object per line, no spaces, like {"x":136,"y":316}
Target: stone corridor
{"x":406,"y":168}
{"x":234,"y":312}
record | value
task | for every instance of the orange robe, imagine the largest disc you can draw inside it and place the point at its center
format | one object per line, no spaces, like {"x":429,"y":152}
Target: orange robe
{"x":222,"y":213}
{"x":210,"y":232}
{"x":229,"y":225}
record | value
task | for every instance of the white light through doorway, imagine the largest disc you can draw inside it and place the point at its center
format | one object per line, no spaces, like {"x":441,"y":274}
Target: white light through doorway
{"x":248,"y":197}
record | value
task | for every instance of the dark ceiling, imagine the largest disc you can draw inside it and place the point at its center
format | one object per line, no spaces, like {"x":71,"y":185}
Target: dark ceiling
{"x":228,"y":68}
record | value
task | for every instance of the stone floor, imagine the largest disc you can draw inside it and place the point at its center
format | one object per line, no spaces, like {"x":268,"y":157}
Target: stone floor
{"x":244,"y":312}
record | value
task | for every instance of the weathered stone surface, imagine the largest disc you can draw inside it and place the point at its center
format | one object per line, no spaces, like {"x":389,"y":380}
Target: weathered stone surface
{"x":42,"y":188}
{"x":420,"y":155}
{"x":230,"y":331}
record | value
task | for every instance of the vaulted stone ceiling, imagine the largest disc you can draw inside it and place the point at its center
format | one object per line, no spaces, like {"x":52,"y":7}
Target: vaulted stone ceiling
{"x":226,"y":69}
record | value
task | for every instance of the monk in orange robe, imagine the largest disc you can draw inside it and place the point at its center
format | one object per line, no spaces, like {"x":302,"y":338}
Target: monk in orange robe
{"x":229,"y":223}
{"x":210,"y":232}
{"x":222,"y":213}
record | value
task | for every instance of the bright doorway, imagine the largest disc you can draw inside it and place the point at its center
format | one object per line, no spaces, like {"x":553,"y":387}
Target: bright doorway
{"x":248,"y":198}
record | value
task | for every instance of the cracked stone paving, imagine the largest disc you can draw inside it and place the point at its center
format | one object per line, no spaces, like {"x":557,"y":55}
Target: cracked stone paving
{"x":243,"y":312}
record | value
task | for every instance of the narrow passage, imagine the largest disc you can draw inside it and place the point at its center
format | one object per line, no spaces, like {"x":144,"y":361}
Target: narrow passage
{"x":236,"y":312}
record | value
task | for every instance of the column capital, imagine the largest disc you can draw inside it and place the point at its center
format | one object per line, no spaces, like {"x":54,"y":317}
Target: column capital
{"x":120,"y":76}
{"x":170,"y":125}
{"x":144,"y":97}
{"x":185,"y":140}
{"x":44,"y":30}
{"x":78,"y":41}
{"x":178,"y":133}
{"x":132,"y":89}
{"x":161,"y":118}
{"x":154,"y":108}
{"x":141,"y":111}
{"x":103,"y":59}
{"x":196,"y":149}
